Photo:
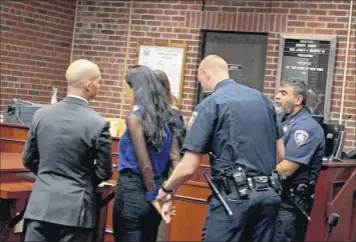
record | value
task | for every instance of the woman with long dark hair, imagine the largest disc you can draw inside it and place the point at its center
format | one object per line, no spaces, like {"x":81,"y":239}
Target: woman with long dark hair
{"x":163,"y":78}
{"x":180,"y":131}
{"x":173,"y":104}
{"x":146,"y":150}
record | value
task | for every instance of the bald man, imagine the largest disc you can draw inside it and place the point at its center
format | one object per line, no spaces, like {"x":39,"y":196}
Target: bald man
{"x":69,"y":150}
{"x":237,"y":126}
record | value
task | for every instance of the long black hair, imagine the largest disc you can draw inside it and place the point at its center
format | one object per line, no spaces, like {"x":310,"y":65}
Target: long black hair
{"x":176,"y":118}
{"x":150,"y":96}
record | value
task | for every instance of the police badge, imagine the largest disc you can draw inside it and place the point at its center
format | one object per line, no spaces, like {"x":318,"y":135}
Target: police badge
{"x":300,"y":137}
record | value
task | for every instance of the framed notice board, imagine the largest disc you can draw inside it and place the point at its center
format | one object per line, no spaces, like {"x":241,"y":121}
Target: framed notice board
{"x":310,"y":58}
{"x":167,"y":57}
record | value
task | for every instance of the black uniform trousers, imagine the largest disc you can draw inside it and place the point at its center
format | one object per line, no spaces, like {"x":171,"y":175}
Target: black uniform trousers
{"x":254,"y":218}
{"x":43,"y":231}
{"x":291,"y":223}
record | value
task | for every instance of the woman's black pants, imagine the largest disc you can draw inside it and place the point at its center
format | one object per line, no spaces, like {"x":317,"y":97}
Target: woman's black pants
{"x":134,"y":219}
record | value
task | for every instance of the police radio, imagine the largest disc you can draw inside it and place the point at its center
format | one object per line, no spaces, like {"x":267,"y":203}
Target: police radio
{"x":240,"y":180}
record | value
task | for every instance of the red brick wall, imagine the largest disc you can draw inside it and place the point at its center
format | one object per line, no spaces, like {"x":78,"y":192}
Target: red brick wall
{"x":102,"y":29}
{"x":36,"y":41}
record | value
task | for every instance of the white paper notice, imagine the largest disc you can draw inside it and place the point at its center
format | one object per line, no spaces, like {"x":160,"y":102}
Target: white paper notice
{"x":167,"y":59}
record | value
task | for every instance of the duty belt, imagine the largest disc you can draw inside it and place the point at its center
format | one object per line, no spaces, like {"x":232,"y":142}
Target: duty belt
{"x":255,"y":182}
{"x":259,"y":182}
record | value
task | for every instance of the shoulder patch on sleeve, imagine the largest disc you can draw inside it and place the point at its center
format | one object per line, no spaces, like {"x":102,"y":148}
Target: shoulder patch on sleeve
{"x":192,"y":119}
{"x":301,"y":137}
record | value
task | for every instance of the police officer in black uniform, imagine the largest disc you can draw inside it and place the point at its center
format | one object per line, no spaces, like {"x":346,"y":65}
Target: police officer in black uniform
{"x":238,"y":126}
{"x":304,"y":149}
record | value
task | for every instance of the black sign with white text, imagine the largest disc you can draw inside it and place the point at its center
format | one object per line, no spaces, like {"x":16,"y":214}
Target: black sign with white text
{"x":305,"y":57}
{"x":308,"y":60}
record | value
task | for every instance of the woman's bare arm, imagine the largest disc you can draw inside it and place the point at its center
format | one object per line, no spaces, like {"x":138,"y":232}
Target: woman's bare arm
{"x":135,"y":129}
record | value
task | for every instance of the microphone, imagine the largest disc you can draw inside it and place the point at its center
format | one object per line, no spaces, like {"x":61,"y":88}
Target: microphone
{"x":332,"y":222}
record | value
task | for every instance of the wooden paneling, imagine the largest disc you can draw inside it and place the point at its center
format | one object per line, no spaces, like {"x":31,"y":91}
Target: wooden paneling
{"x":114,"y":146}
{"x":12,"y":170}
{"x":11,"y":146}
{"x":190,"y":203}
{"x":13,"y":131}
{"x":12,"y":137}
{"x":193,"y":190}
{"x":335,"y":193}
{"x":189,"y":221}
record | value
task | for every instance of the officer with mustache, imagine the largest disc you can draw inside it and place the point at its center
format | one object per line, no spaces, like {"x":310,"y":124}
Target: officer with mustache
{"x":304,"y":143}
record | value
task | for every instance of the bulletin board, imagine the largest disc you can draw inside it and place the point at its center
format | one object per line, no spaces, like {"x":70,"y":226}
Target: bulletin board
{"x":167,"y":57}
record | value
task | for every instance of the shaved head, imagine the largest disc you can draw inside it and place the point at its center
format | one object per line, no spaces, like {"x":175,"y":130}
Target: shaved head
{"x":80,"y":72}
{"x":214,"y":63}
{"x":83,"y":79}
{"x":212,"y":70}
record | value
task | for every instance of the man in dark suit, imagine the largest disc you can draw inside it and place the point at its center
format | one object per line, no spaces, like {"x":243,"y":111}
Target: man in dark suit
{"x":69,"y":149}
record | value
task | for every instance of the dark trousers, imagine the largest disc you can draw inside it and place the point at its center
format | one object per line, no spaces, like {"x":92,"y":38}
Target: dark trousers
{"x":291,"y":223}
{"x":134,"y":218}
{"x":253,"y":218}
{"x":44,"y":231}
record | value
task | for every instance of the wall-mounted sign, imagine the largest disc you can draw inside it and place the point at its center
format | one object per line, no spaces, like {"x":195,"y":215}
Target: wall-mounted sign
{"x":310,"y":58}
{"x":235,"y":67}
{"x":167,"y":57}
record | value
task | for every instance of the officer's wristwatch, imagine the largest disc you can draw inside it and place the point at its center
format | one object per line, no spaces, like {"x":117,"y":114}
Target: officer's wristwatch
{"x":165,"y":189}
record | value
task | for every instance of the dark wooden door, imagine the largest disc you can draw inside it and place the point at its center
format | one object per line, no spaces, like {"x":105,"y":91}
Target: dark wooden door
{"x":244,"y":52}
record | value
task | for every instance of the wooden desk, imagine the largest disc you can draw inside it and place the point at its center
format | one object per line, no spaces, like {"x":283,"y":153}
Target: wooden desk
{"x":12,"y":137}
{"x":334,"y":193}
{"x":15,"y":187}
{"x":11,"y":162}
{"x":12,"y":170}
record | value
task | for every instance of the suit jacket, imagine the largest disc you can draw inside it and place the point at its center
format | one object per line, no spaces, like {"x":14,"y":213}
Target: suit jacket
{"x":69,"y":149}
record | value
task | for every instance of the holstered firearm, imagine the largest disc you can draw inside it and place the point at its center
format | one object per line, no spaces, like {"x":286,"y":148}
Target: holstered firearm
{"x":277,"y":183}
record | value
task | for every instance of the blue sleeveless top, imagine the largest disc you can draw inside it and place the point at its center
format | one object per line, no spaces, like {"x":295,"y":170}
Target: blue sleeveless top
{"x":159,"y":160}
